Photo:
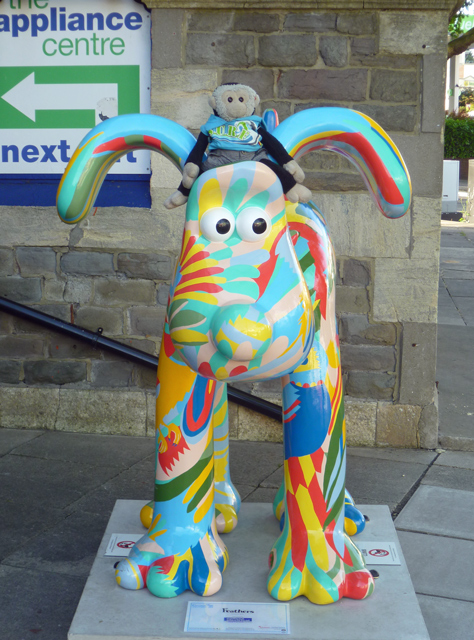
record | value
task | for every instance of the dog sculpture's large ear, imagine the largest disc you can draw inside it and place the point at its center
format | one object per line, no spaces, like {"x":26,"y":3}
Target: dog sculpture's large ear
{"x":104,"y":145}
{"x":362,"y":141}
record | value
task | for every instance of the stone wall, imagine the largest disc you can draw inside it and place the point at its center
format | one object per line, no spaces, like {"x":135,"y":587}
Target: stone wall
{"x":112,"y":270}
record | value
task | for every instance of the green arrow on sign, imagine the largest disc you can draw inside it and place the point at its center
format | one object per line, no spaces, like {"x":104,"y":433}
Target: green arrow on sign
{"x":64,"y":97}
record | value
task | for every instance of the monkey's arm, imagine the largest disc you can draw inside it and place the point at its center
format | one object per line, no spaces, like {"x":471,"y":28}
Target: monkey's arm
{"x":191,"y":170}
{"x":281,"y":155}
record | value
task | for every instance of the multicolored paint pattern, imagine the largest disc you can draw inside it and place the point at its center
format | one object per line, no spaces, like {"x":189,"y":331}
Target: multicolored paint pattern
{"x":253,"y":298}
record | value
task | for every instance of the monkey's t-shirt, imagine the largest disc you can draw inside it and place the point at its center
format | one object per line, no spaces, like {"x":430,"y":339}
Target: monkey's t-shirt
{"x":240,"y":134}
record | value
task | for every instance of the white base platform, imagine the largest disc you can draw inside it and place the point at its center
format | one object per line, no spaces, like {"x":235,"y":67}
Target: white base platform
{"x":108,"y":612}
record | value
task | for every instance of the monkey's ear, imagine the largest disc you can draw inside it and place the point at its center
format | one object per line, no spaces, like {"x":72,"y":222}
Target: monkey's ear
{"x":257,"y":100}
{"x":212,"y":102}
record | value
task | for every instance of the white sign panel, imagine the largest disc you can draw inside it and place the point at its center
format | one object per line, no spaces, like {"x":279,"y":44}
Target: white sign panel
{"x":64,"y":67}
{"x":238,"y":617}
{"x":379,"y":552}
{"x":120,"y":544}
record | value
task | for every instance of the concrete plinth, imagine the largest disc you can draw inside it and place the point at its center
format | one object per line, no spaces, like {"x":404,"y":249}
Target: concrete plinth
{"x":108,"y":612}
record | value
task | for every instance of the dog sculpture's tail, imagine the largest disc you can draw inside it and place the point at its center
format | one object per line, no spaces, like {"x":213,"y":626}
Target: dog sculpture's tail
{"x":346,"y":132}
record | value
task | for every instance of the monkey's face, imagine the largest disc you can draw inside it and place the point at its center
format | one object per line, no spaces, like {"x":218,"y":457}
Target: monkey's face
{"x":234,"y":102}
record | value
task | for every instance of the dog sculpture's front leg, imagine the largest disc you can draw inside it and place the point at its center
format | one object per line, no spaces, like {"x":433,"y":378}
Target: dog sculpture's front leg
{"x":313,"y":556}
{"x":182,"y":549}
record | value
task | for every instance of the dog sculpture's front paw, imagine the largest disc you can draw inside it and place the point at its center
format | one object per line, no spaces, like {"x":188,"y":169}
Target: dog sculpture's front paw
{"x":198,"y":569}
{"x":227,"y":504}
{"x":310,"y":565}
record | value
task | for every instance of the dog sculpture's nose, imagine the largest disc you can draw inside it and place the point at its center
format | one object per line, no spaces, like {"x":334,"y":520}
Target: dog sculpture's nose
{"x":241,"y":332}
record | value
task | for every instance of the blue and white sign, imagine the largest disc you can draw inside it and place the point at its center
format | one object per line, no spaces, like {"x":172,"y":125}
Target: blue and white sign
{"x":238,"y":617}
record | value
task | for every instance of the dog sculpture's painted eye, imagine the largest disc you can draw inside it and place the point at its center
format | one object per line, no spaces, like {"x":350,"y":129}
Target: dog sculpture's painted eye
{"x":253,"y":224}
{"x":217,"y":224}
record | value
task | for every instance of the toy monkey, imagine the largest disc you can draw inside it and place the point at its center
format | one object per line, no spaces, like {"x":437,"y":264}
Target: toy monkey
{"x":234,"y":134}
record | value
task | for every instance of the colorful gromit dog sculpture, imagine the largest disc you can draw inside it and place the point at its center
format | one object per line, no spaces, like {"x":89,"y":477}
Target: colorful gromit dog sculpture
{"x":252,"y":298}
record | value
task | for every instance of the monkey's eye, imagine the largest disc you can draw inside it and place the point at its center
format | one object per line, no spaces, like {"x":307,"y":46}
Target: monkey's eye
{"x":253,"y":224}
{"x":217,"y":224}
{"x":241,"y":99}
{"x":230,"y":99}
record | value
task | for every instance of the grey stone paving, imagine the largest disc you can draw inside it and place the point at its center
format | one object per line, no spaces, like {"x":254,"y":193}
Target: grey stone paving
{"x":58,"y":489}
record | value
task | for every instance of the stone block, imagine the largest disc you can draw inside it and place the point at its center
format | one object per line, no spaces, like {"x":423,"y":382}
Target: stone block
{"x":356,"y":273}
{"x":428,"y":426}
{"x":413,"y":32}
{"x":287,"y":51}
{"x":28,"y":407}
{"x":433,"y":74}
{"x":260,"y":79}
{"x":319,"y":160}
{"x":166,"y":34}
{"x":333,"y":50}
{"x":36,"y":261}
{"x":21,"y":346}
{"x":162,"y":294}
{"x":313,"y":22}
{"x":121,"y":291}
{"x":258,"y":428}
{"x":370,"y":384}
{"x":352,"y":300}
{"x":164,"y":173}
{"x":87,"y":263}
{"x":146,"y":378}
{"x":361,"y":419}
{"x":391,"y":118}
{"x":6,"y":323}
{"x":426,"y":177}
{"x":148,"y":346}
{"x":47,"y":231}
{"x":367,"y":358}
{"x":397,"y":425}
{"x":283,"y":109}
{"x":78,"y":290}
{"x":111,"y":320}
{"x":363,"y":46}
{"x":357,"y":23}
{"x":258,"y":22}
{"x":418,"y":363}
{"x":63,"y":348}
{"x":215,"y":21}
{"x":233,"y":415}
{"x":10,"y":371}
{"x":220,"y":50}
{"x":96,"y":411}
{"x":151,"y":266}
{"x":147,"y":321}
{"x":54,"y":372}
{"x":356,"y":329}
{"x":60,"y":311}
{"x":23,"y":290}
{"x":359,"y":229}
{"x":182,"y":96}
{"x":338,"y":182}
{"x":53,"y":290}
{"x":6,"y":262}
{"x":394,"y":86}
{"x":324,"y":84}
{"x":426,"y":228}
{"x":112,"y":374}
{"x":405,"y":290}
{"x":377,"y":60}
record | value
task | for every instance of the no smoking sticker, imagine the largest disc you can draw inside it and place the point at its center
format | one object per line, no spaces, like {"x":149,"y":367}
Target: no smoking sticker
{"x":379,"y":552}
{"x":121,"y":543}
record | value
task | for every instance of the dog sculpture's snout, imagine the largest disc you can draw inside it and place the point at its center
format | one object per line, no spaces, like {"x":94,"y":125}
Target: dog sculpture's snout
{"x":241,"y":332}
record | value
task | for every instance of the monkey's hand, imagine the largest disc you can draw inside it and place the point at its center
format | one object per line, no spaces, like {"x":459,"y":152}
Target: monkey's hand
{"x":296,"y":171}
{"x":176,"y":199}
{"x":190,"y":173}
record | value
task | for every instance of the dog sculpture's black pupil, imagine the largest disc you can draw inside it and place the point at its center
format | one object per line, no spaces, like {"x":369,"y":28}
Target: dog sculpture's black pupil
{"x":223,"y":226}
{"x":259,"y":226}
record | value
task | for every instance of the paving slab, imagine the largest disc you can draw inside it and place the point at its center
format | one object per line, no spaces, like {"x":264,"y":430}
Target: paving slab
{"x":378,"y":480}
{"x":465,"y":307}
{"x":68,"y":548}
{"x":243,"y":467}
{"x":439,"y":566}
{"x":447,"y":619}
{"x":460,"y":459}
{"x":439,"y":511}
{"x":452,"y":274}
{"x":418,"y":456}
{"x":454,"y":375}
{"x":106,"y":611}
{"x":93,"y":449}
{"x":447,"y":311}
{"x":12,"y":438}
{"x":450,"y":477}
{"x":460,"y":288}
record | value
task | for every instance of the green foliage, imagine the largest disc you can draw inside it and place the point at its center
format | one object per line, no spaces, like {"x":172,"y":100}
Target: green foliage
{"x":466,"y":97}
{"x":469,"y":58}
{"x":455,"y":28}
{"x":459,"y":138}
